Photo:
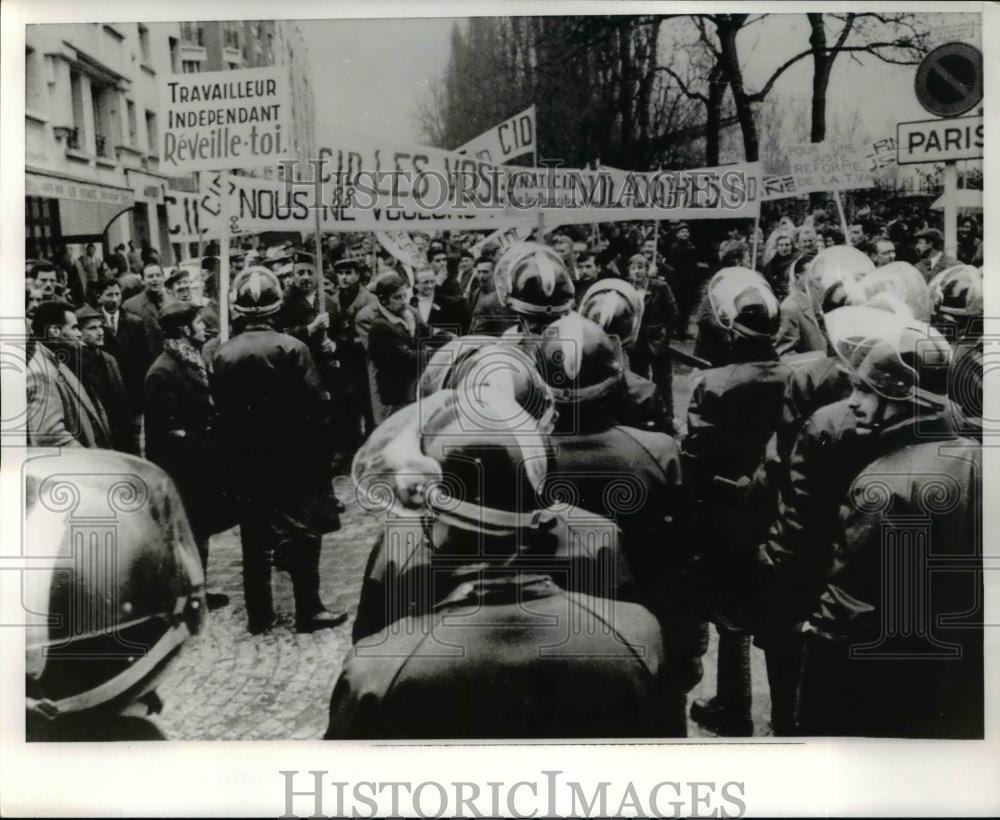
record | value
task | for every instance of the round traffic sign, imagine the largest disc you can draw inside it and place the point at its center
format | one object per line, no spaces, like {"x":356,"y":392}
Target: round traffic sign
{"x":950,"y":79}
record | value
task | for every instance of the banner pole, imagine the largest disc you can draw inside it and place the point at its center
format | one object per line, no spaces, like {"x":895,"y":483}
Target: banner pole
{"x":840,"y":211}
{"x":224,"y":259}
{"x":596,"y":233}
{"x":320,"y":290}
{"x":541,"y":216}
{"x":201,"y":239}
{"x":656,"y":240}
{"x":753,"y":251}
{"x":950,"y":207}
{"x":656,"y":248}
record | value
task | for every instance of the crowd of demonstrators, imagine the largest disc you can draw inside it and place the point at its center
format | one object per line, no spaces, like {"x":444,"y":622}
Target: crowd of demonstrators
{"x":747,"y":514}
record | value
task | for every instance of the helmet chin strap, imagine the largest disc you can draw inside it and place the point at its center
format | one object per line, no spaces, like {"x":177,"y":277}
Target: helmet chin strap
{"x":878,"y":420}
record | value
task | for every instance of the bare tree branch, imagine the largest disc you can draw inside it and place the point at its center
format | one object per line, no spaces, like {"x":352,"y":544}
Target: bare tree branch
{"x":766,"y":89}
{"x":688,"y":92}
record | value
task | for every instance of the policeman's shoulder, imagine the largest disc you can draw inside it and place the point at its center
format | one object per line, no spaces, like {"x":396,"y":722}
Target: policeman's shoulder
{"x":661,"y":447}
{"x":800,"y":361}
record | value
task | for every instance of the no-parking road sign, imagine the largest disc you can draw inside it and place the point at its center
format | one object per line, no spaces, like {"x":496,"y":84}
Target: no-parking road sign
{"x":950,"y":79}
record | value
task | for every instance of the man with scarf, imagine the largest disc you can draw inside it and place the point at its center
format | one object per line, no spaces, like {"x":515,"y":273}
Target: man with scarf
{"x":179,"y":414}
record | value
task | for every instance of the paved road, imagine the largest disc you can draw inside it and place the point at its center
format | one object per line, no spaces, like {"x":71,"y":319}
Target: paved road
{"x":230,"y":685}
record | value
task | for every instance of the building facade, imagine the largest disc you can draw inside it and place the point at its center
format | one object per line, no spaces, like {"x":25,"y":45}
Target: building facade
{"x":91,"y":140}
{"x":92,"y":113}
{"x":223,"y":45}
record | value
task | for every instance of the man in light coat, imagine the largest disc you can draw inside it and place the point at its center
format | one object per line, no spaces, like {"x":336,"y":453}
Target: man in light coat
{"x":60,"y":412}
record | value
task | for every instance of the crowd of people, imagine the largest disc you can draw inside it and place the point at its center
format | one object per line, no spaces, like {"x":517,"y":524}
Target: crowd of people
{"x":509,"y":410}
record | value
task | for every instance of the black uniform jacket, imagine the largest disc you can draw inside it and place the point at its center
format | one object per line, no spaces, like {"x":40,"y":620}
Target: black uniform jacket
{"x":645,"y":408}
{"x":271,"y":407}
{"x":509,"y":655}
{"x":406,"y":576}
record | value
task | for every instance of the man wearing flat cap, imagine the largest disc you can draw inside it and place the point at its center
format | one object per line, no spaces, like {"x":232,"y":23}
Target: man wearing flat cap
{"x":102,"y":377}
{"x":933,"y":259}
{"x":682,"y":260}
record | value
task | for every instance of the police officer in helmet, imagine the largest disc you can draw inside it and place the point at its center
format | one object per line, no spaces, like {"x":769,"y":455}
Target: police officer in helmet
{"x":914,"y":504}
{"x":618,"y":307}
{"x":486,"y":385}
{"x":117,"y":591}
{"x":734,"y":411}
{"x":527,"y":658}
{"x":532,"y":281}
{"x":272,"y":411}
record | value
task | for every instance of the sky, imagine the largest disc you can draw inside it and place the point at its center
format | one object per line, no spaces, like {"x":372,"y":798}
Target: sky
{"x":370,"y":75}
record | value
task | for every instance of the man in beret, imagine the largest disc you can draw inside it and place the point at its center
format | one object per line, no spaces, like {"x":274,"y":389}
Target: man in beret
{"x":179,"y":416}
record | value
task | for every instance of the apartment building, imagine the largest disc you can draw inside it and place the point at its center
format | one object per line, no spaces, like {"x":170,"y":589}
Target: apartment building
{"x":92,"y":113}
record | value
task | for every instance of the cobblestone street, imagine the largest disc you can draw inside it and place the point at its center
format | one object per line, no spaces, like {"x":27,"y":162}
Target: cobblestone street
{"x":230,"y":685}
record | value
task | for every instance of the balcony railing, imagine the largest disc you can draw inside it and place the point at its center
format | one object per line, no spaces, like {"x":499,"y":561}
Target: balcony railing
{"x":231,"y":39}
{"x":101,"y":144}
{"x":73,"y":139}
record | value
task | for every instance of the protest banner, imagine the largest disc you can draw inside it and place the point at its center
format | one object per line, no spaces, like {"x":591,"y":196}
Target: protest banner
{"x":184,"y":217}
{"x":828,"y":166}
{"x":368,"y":173}
{"x":358,"y":167}
{"x":777,"y":186}
{"x":503,"y":238}
{"x":881,"y":154}
{"x":194,"y":217}
{"x":361,"y":184}
{"x":269,"y":205}
{"x":225,"y":119}
{"x":575,"y":196}
{"x":509,"y":140}
{"x":402,"y":247}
